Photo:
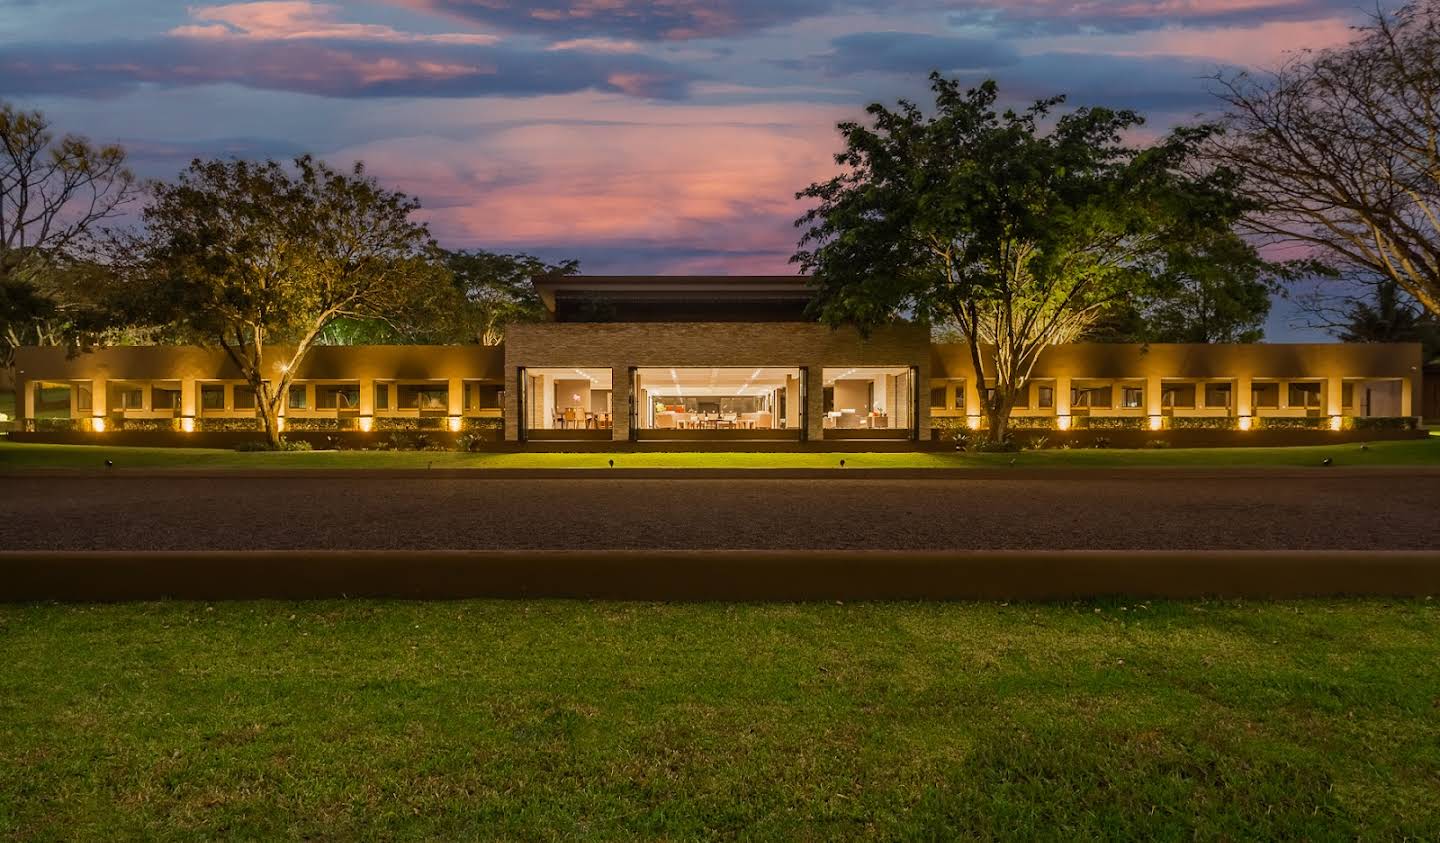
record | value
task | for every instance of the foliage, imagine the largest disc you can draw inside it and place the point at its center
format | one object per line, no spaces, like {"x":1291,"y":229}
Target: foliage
{"x":1382,"y":422}
{"x":1291,"y":422}
{"x":258,"y":260}
{"x":1338,"y":147}
{"x":1111,"y":422}
{"x":1019,"y":228}
{"x":1386,"y":314}
{"x":1202,"y":423}
{"x":282,"y":445}
{"x":55,"y":193}
{"x":494,"y":291}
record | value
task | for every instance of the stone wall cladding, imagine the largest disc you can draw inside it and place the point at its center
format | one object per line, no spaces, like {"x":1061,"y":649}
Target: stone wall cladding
{"x":621,"y":346}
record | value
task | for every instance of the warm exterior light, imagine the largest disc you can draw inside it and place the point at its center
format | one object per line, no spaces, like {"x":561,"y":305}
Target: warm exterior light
{"x":454,"y":424}
{"x":1245,"y":422}
{"x":97,"y":424}
{"x":1336,"y":423}
{"x":366,"y":422}
{"x":973,"y":422}
{"x":1156,"y":422}
{"x":1062,"y":422}
{"x":187,"y":424}
{"x":280,"y":424}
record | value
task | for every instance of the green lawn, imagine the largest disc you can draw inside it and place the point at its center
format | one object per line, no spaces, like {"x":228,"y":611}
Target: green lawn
{"x":543,"y":720}
{"x":1406,"y":452}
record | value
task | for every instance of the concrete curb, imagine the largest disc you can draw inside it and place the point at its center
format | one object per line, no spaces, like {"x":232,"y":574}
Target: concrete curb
{"x":683,"y":575}
{"x":836,"y":473}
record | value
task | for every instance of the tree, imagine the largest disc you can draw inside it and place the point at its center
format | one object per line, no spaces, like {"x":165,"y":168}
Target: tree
{"x":1339,"y":149}
{"x":257,"y":259}
{"x":1022,"y":238}
{"x":1380,"y":311}
{"x":55,"y":193}
{"x":495,"y":291}
{"x":1208,"y":293}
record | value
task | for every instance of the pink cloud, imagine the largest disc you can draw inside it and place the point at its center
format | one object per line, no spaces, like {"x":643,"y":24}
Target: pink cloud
{"x":302,"y":19}
{"x":723,"y":186}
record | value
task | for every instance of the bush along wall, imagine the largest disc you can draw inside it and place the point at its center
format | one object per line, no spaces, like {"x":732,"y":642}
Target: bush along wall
{"x":1203,"y":423}
{"x":1112,"y":422}
{"x":1293,"y":423}
{"x":1382,"y":423}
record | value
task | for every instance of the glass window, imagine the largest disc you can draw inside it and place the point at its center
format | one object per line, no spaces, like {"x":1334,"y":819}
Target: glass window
{"x":1022,"y":397}
{"x":129,"y":398}
{"x":298,"y":399}
{"x":1133,"y":397}
{"x":869,"y":398}
{"x":1305,"y":395}
{"x":1090,"y":396}
{"x":1347,"y":395}
{"x":937,"y":397}
{"x":483,"y":396}
{"x":1045,"y":396}
{"x":432,"y":398}
{"x":578,"y":399}
{"x":244,"y":397}
{"x":960,"y":395}
{"x":1217,"y":395}
{"x":165,"y":398}
{"x":337,"y":397}
{"x":1265,"y":395}
{"x":1177,"y":395}
{"x":382,"y":396}
{"x":736,"y":399}
{"x":83,"y":398}
{"x":212,"y":396}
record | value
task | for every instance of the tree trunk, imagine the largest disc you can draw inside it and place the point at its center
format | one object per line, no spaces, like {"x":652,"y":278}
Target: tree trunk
{"x":269,"y":419}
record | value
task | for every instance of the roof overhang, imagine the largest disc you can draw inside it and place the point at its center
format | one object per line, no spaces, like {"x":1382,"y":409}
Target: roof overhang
{"x":672,"y":287}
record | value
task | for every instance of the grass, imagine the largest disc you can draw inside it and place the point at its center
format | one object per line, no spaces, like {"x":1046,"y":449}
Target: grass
{"x":546,"y":720}
{"x":1402,"y":452}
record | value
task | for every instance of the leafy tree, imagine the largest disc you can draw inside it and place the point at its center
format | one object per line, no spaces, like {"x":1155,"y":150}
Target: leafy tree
{"x":258,"y":260}
{"x":1020,"y":237}
{"x":1212,"y":292}
{"x":55,"y":193}
{"x":1339,"y":149}
{"x":495,"y":291}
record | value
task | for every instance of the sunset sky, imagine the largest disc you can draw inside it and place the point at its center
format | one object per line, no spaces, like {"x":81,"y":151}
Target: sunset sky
{"x":647,"y":137}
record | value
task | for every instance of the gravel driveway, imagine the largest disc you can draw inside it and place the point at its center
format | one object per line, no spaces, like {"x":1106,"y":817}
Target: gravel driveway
{"x":1145,"y":509}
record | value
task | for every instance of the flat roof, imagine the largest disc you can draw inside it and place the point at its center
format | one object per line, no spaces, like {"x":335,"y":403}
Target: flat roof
{"x":673,"y":286}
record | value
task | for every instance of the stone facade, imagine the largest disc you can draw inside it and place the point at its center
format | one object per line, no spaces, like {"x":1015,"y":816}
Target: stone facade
{"x":623,"y":346}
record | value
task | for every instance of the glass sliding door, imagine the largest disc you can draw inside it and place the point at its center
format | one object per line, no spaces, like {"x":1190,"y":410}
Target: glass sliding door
{"x":757,"y":402}
{"x":565,"y":403}
{"x":877,"y":402}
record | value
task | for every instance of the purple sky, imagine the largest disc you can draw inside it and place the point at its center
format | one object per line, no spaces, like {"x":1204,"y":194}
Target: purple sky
{"x":647,"y":137}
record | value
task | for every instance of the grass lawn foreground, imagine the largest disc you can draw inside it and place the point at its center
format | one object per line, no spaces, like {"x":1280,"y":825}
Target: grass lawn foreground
{"x":549,"y":720}
{"x":1417,"y":452}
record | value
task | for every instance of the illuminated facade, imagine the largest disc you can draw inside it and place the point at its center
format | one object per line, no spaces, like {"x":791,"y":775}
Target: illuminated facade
{"x":718,"y":359}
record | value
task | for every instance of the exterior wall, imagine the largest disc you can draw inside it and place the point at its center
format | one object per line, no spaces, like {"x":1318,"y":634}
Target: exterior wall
{"x":621,"y":346}
{"x":1391,"y":369}
{"x":190,"y":368}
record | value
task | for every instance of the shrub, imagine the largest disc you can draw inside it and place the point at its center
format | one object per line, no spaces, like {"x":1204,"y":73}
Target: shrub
{"x":1037,"y":443}
{"x":1293,"y":423}
{"x":1383,"y":422}
{"x":1100,"y":442}
{"x":1203,"y":423}
{"x":471,"y":442}
{"x":285,"y":445}
{"x":1032,"y":422}
{"x":234,"y":425}
{"x":49,"y":425}
{"x":305,"y":424}
{"x":1116,"y":422}
{"x":1157,"y":443}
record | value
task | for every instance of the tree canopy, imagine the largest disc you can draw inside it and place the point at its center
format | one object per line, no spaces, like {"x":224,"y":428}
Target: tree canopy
{"x":55,"y":193}
{"x":1338,"y":147}
{"x":1019,"y":235}
{"x":260,"y":258}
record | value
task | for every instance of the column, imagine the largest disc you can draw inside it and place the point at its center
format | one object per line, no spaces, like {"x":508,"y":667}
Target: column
{"x":1334,"y":392}
{"x":815,"y":403}
{"x":1407,"y":397}
{"x":456,"y":390}
{"x":513,"y":398}
{"x":1283,"y":388}
{"x":620,"y":388}
{"x":367,"y":397}
{"x":1062,"y":403}
{"x":100,"y":398}
{"x":973,"y":408}
{"x":1152,"y":395}
{"x":1242,"y":397}
{"x":27,"y":402}
{"x":189,"y":397}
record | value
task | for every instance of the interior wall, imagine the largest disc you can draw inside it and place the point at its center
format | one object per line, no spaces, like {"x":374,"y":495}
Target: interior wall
{"x":572,"y":393}
{"x":852,"y":395}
